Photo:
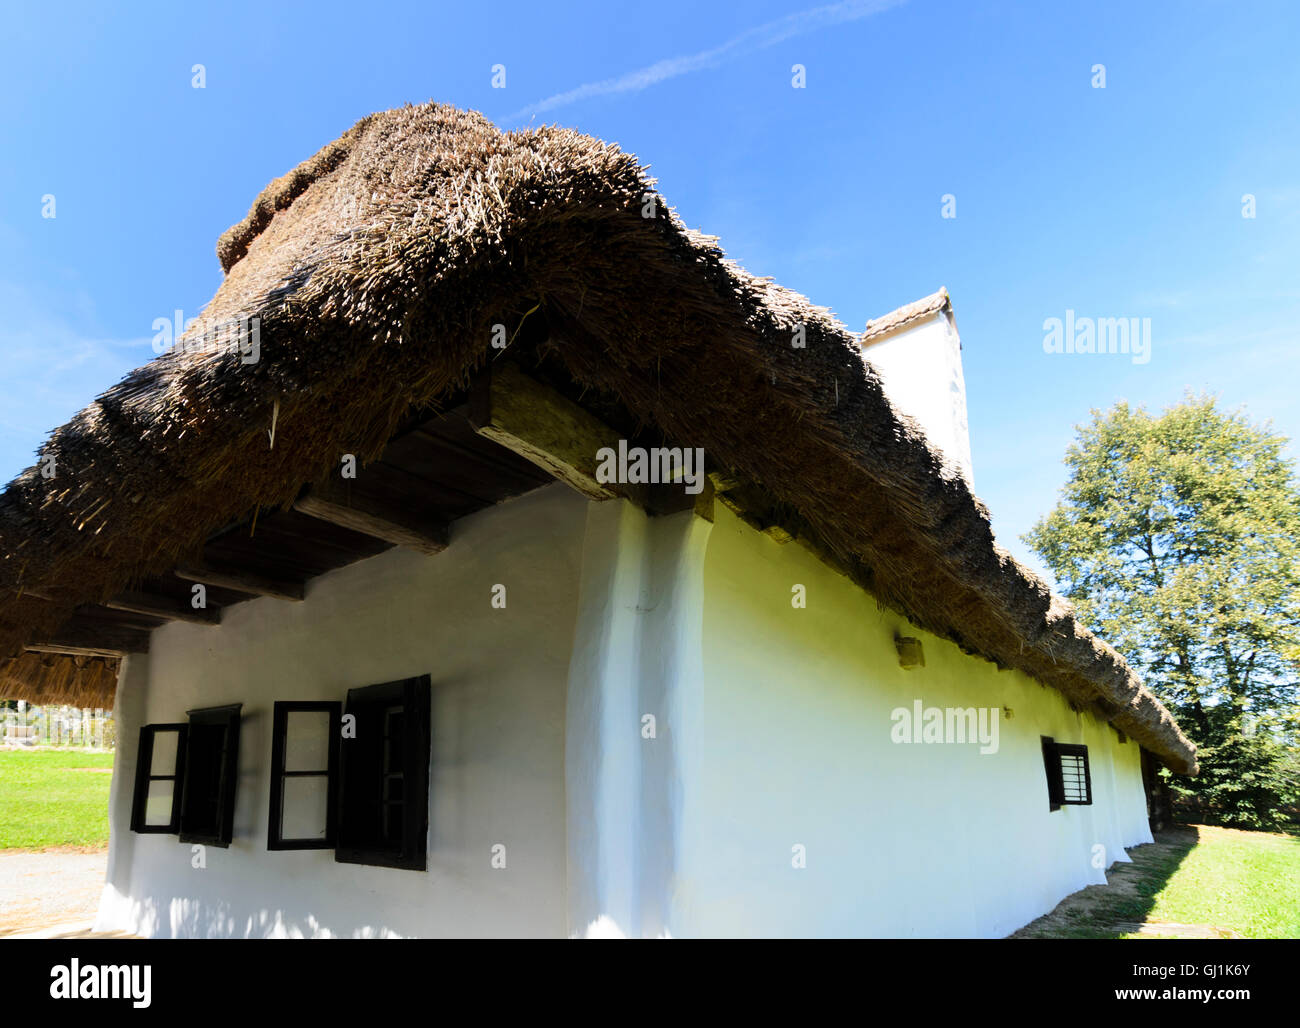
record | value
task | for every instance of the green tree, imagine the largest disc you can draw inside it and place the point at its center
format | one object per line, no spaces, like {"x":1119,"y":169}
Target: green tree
{"x":1177,"y":537}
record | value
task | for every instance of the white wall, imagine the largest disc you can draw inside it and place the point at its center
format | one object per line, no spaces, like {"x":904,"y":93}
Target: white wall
{"x":635,"y":676}
{"x":791,"y":745}
{"x":497,"y":775}
{"x":920,"y":366}
{"x":773,"y":729}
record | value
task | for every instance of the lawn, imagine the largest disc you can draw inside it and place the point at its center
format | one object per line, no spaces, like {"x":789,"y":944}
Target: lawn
{"x":53,"y":798}
{"x":1193,"y":882}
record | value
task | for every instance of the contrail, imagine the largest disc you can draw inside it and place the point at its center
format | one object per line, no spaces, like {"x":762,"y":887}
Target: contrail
{"x":758,"y":38}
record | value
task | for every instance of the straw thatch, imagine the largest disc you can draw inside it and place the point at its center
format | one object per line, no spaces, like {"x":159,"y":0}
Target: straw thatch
{"x":50,"y":678}
{"x":378,"y":269}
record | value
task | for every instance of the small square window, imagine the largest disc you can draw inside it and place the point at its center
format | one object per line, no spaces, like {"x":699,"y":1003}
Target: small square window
{"x":1069,"y":782}
{"x":185,"y":777}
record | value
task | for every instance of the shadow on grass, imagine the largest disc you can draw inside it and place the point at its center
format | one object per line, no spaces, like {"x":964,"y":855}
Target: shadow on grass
{"x":1121,"y":906}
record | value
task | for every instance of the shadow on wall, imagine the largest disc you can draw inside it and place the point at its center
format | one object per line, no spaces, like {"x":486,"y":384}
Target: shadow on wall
{"x":183,"y":918}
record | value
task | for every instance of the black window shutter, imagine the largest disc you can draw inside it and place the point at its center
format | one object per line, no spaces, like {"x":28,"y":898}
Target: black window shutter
{"x":383,"y":787}
{"x":1052,"y":765}
{"x":211,"y":775}
{"x":144,"y":775}
{"x":281,"y":802}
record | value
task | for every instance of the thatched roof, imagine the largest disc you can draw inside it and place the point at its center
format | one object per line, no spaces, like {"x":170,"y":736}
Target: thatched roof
{"x":51,"y":678}
{"x":378,"y":268}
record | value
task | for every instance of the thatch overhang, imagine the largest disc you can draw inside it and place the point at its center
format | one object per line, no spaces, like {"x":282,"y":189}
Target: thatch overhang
{"x":378,"y":270}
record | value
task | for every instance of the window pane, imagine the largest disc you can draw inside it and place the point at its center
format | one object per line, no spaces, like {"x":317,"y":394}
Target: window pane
{"x":393,"y":727}
{"x":163,"y":761}
{"x":1073,"y":778}
{"x":307,"y":739}
{"x":305,"y":809}
{"x":158,"y":804}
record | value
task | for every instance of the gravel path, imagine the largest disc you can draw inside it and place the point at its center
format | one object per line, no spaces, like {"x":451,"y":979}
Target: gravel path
{"x":38,"y":889}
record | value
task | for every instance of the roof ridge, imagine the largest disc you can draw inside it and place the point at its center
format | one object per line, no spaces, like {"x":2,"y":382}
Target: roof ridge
{"x":900,"y":317}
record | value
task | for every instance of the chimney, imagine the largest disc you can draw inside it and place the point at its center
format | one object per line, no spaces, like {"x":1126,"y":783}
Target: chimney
{"x":917,"y":353}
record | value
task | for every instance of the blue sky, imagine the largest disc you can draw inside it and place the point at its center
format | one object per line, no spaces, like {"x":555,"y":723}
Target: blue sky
{"x":1117,"y":202}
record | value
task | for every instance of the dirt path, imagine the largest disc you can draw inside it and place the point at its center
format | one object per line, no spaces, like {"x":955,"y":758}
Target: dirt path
{"x":43,"y":888}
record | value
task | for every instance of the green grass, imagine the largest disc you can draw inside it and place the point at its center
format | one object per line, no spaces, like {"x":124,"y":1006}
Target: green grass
{"x":1199,"y":881}
{"x":50,"y":798}
{"x":1245,"y":881}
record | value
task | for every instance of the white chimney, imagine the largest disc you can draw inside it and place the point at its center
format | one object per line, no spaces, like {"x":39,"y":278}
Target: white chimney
{"x":917,"y":352}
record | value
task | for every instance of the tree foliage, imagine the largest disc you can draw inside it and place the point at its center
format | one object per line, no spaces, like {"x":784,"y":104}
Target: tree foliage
{"x":1177,"y":537}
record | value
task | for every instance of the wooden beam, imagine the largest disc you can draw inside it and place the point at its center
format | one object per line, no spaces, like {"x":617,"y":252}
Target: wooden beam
{"x":166,"y":607}
{"x":64,"y":649}
{"x":753,"y":506}
{"x":82,"y":640}
{"x":343,"y":503}
{"x":542,"y":426}
{"x":241,"y":581}
{"x":723,"y":482}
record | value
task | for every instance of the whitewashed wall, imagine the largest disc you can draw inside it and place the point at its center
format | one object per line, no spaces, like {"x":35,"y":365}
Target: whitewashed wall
{"x":790,"y":745}
{"x":772,"y":730}
{"x":497,"y":776}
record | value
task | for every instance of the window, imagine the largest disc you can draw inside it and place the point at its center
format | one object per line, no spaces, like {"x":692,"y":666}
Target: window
{"x":211,"y":773}
{"x":159,"y":771}
{"x":1068,"y":779}
{"x":304,"y":776}
{"x":383,"y":780}
{"x":185,"y":777}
